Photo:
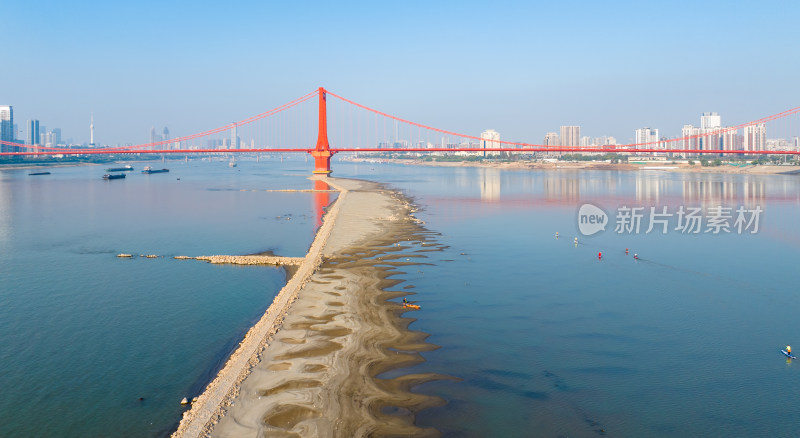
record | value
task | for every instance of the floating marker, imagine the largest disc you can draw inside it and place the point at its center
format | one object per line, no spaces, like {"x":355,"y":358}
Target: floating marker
{"x":599,"y":255}
{"x":636,"y":256}
{"x":626,"y":251}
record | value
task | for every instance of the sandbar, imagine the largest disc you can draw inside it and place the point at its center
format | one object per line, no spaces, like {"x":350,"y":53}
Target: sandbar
{"x":312,"y":366}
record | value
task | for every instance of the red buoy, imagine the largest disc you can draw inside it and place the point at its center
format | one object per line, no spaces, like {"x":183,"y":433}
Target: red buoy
{"x":626,"y":250}
{"x":599,"y":255}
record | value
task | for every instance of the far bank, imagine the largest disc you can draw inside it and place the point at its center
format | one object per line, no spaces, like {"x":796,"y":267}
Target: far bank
{"x":664,"y":166}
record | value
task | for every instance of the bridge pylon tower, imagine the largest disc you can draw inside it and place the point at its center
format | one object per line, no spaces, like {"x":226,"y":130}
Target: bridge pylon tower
{"x":322,"y":153}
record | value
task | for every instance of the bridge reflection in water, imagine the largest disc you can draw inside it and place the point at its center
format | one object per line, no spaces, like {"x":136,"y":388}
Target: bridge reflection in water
{"x":322,"y":197}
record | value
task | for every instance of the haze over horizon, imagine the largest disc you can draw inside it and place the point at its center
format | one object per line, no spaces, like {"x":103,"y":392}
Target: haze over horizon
{"x":521,"y":68}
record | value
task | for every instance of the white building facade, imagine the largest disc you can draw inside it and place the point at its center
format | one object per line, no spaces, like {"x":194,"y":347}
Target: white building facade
{"x":755,"y":137}
{"x":570,"y":136}
{"x":490,"y":139}
{"x":647,"y":138}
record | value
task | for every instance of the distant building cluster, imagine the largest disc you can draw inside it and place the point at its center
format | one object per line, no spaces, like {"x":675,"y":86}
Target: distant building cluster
{"x":35,"y":134}
{"x":570,"y":136}
{"x":710,"y":135}
{"x":163,"y":140}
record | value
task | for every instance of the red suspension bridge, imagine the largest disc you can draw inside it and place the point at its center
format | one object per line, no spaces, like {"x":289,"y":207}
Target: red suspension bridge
{"x":359,"y":128}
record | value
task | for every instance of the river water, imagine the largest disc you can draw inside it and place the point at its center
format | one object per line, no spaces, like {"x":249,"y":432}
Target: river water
{"x":85,"y":334}
{"x":545,"y":338}
{"x":549,"y":340}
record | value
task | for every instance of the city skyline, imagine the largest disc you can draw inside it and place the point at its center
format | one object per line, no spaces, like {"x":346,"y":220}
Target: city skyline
{"x":423,"y":64}
{"x":711,"y":134}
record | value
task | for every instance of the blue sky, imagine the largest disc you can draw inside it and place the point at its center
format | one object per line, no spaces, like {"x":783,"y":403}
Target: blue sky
{"x":522,"y":68}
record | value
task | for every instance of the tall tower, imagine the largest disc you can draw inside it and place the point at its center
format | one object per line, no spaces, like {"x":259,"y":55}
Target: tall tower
{"x":322,"y":153}
{"x":33,"y":132}
{"x":166,"y":139}
{"x":234,"y":137}
{"x":91,"y":130}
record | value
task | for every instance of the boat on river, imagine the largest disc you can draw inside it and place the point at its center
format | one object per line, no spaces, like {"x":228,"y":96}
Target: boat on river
{"x":120,"y":169}
{"x":149,"y":170}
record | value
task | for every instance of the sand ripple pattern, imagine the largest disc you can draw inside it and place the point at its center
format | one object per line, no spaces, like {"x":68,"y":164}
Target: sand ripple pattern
{"x":318,"y":375}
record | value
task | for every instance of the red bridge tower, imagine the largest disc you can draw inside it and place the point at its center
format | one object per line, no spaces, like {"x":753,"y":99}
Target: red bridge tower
{"x":322,"y":153}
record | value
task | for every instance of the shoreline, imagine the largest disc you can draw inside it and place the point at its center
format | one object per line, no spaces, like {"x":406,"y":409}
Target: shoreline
{"x":310,"y":346}
{"x":20,"y":166}
{"x":654,"y":166}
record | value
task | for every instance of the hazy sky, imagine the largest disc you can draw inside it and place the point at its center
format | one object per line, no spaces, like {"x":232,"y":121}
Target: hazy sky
{"x":521,"y":68}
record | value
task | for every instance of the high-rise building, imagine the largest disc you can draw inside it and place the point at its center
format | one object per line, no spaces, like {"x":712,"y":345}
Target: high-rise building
{"x":234,"y":138}
{"x":712,"y":136}
{"x":7,"y":129}
{"x":33,"y":132}
{"x":551,"y":139}
{"x":57,"y":134}
{"x":690,"y":138}
{"x":490,"y":139}
{"x":570,"y":136}
{"x":166,"y":139}
{"x":646,"y":138}
{"x":755,"y":137}
{"x":710,"y":121}
{"x":709,"y":136}
{"x":48,"y":139}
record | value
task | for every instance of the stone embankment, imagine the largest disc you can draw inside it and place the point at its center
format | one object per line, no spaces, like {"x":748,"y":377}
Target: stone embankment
{"x":218,"y":395}
{"x":247,"y":260}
